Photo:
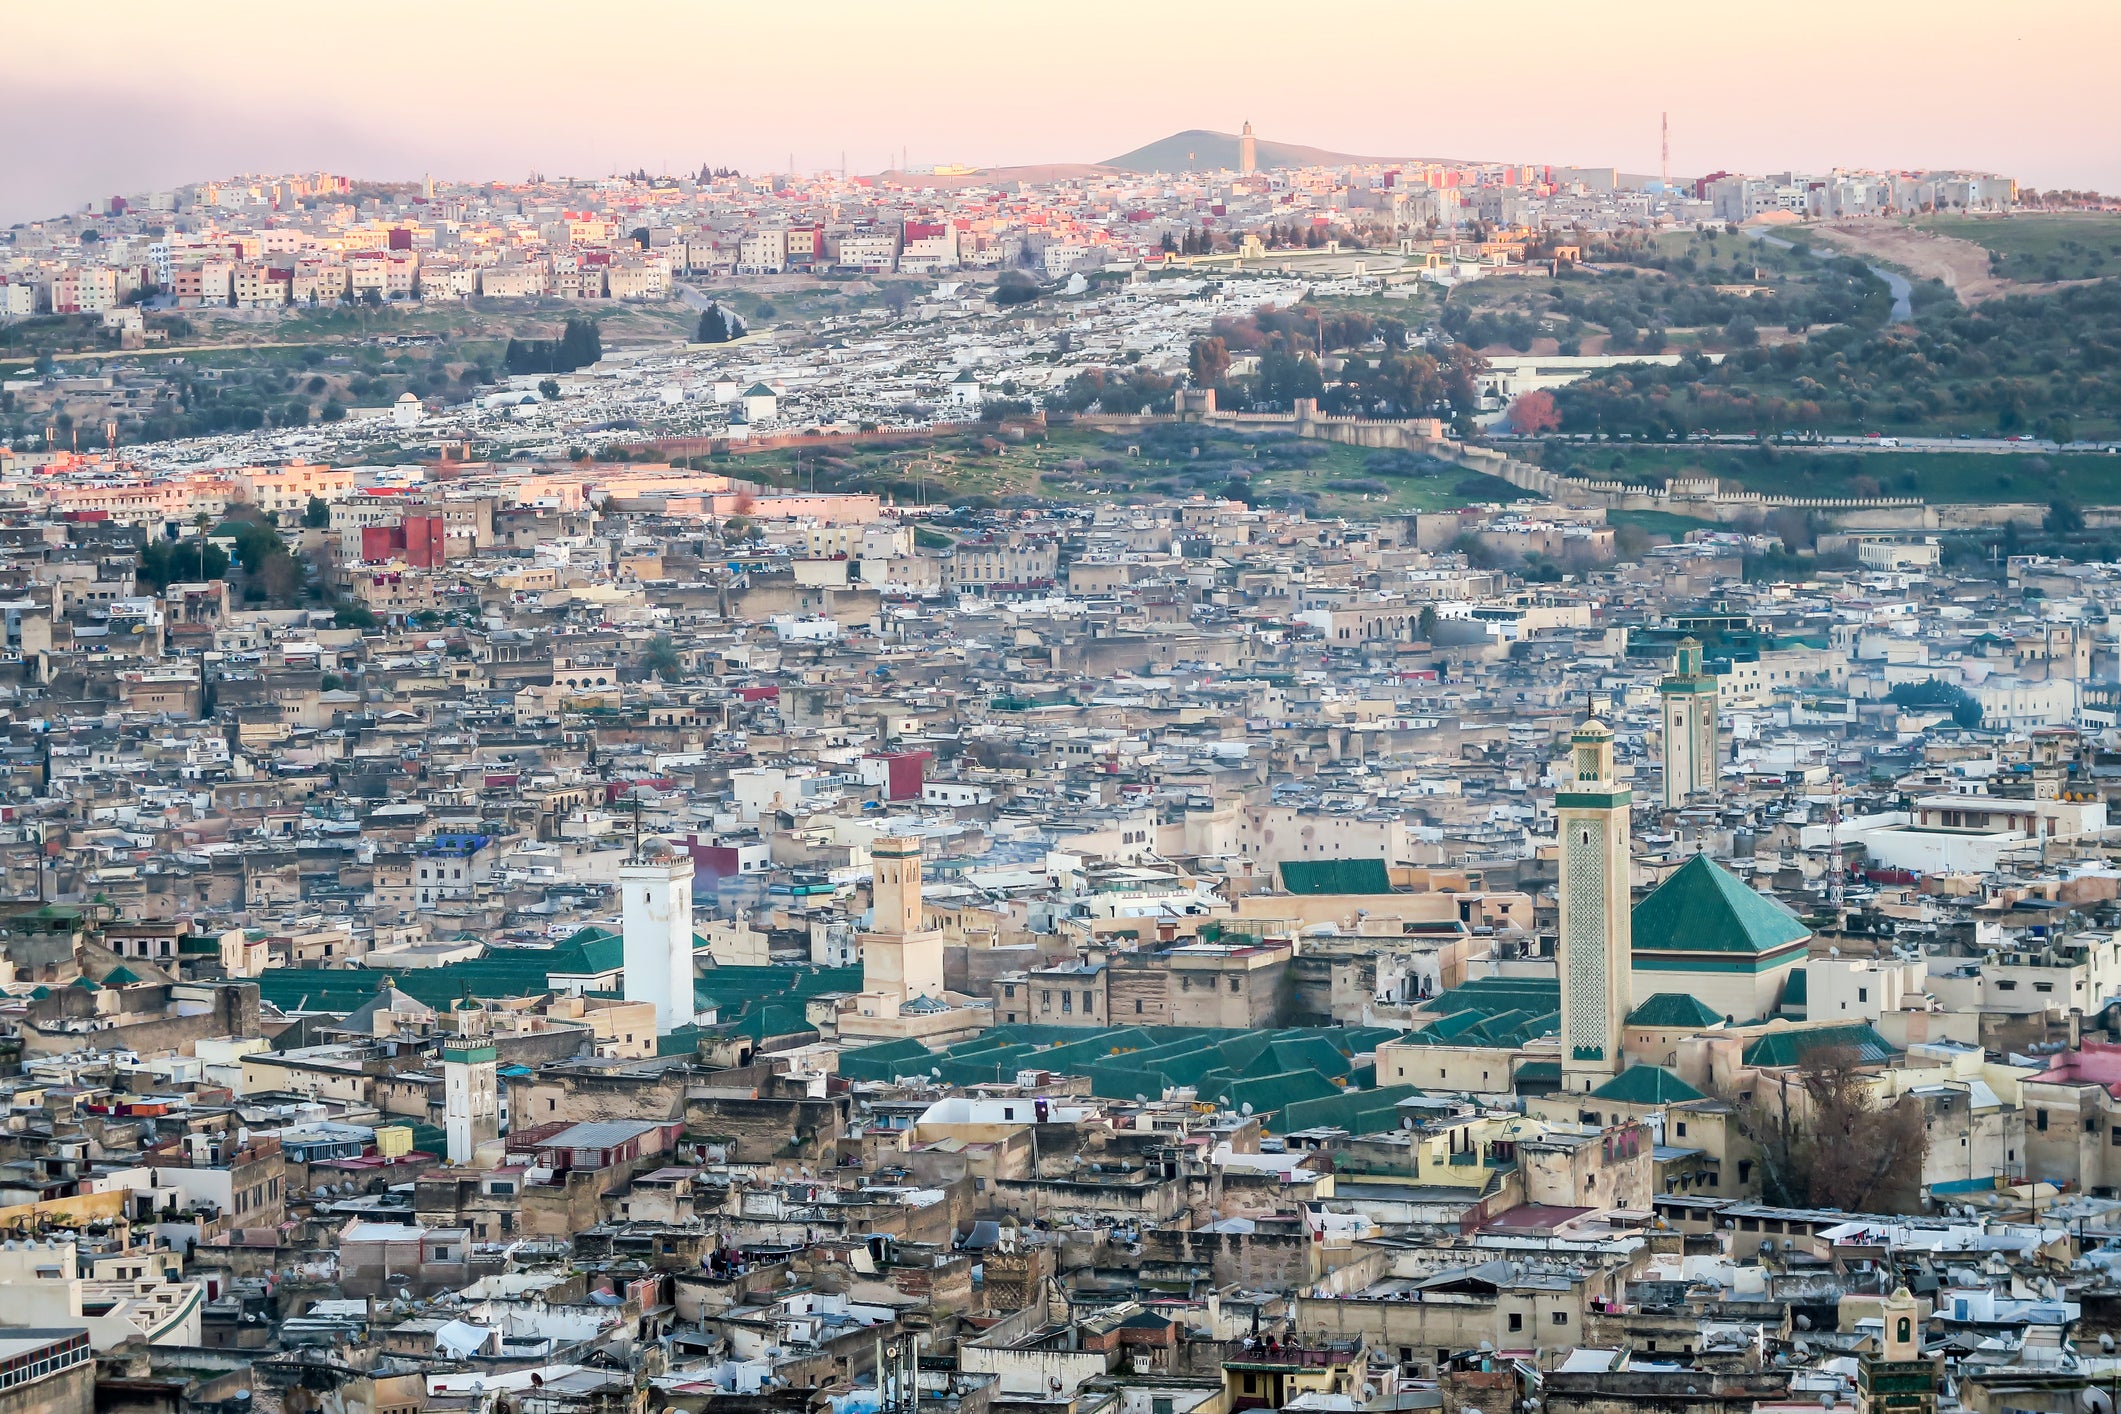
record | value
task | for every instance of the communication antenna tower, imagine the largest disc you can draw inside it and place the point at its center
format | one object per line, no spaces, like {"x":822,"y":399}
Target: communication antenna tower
{"x":1833,"y":825}
{"x":1664,"y":170}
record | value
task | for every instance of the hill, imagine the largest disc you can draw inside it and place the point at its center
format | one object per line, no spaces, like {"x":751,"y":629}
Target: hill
{"x":1199,"y":150}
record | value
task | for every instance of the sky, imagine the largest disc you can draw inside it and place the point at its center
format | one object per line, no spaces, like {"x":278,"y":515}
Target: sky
{"x":485,"y":89}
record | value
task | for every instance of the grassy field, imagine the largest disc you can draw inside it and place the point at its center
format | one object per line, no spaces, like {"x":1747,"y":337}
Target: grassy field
{"x":2086,"y":478}
{"x":2041,"y":247}
{"x":1082,"y":466}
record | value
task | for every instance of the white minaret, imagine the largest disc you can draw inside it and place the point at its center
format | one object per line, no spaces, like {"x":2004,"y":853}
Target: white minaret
{"x":1247,"y":151}
{"x":656,"y":895}
{"x":1689,"y":699}
{"x":1597,"y":939}
{"x":471,"y":1096}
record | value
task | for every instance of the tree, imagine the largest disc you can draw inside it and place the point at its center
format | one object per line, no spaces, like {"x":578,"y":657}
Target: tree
{"x":549,"y":389}
{"x":1933,"y":693}
{"x":1209,"y":362}
{"x":714,"y":326}
{"x":1533,"y":413}
{"x":639,"y":236}
{"x":1826,"y":1139}
{"x":1014,"y":288}
{"x":167,"y":562}
{"x":662,"y":658}
{"x":578,"y":346}
{"x":1426,"y":623}
{"x":278,"y":576}
{"x":2062,"y":518}
{"x":316,"y":515}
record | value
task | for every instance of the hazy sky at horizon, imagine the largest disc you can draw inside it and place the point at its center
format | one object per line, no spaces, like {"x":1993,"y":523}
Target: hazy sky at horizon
{"x":129,"y":95}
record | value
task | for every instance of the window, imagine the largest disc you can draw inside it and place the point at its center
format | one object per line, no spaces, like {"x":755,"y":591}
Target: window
{"x":1517,"y":1320}
{"x":1236,"y":983}
{"x":2040,"y":1120}
{"x":1863,"y":994}
{"x":1561,"y":1318}
{"x":1745,"y":1170}
{"x":1682,"y":1129}
{"x":1087,"y":1006}
{"x":1137,"y":1006}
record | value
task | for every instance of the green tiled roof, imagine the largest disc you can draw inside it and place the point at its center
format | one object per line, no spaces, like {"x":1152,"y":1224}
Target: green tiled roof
{"x":587,"y":953}
{"x":1490,"y":995}
{"x":1781,"y":1046}
{"x":1494,"y":1011}
{"x":885,"y":1061}
{"x":1796,"y":991}
{"x":1647,"y":1085}
{"x":679,"y":1041}
{"x":1358,"y":1112}
{"x":1674,"y":1009}
{"x":1335,"y":876}
{"x":1704,"y":908}
{"x":1269,"y":1095}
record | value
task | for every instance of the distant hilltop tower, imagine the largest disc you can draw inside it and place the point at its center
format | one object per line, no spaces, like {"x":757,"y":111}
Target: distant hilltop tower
{"x":1247,"y":152}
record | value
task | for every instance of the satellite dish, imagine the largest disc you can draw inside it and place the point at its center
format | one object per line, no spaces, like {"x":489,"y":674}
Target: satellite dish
{"x":1804,"y":1322}
{"x":1246,"y":1108}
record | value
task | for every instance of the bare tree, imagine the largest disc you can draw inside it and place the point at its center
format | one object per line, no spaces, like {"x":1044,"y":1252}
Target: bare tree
{"x":1825,"y":1141}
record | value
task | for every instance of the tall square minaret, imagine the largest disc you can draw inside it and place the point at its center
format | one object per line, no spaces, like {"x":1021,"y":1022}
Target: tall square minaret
{"x":655,"y":898}
{"x":900,"y":959}
{"x":1596,"y":940}
{"x":1689,"y":699}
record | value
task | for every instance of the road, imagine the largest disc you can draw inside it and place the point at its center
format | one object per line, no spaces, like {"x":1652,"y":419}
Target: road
{"x":1903,"y":289}
{"x":1839,"y":443}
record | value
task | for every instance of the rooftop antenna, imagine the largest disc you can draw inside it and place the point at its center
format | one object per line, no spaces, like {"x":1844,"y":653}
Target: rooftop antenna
{"x":1833,"y":825}
{"x":1664,"y":170}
